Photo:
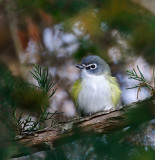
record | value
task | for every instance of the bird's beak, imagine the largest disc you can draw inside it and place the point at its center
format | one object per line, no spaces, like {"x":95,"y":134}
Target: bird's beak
{"x":80,"y":66}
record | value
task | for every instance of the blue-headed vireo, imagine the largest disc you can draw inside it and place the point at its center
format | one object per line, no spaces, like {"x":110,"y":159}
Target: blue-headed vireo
{"x":96,"y":90}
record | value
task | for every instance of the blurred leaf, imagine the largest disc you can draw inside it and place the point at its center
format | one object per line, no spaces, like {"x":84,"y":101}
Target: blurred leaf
{"x":143,"y":40}
{"x":86,"y":47}
{"x":31,"y":100}
{"x":122,"y":15}
{"x":14,"y":92}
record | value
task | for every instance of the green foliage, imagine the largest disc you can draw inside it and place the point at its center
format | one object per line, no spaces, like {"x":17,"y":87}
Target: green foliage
{"x":142,"y":81}
{"x":126,"y":17}
{"x":45,"y":84}
{"x":85,"y":47}
{"x":59,"y":8}
{"x":29,"y":125}
{"x":16,"y":94}
{"x":142,"y":41}
{"x":134,"y":22}
{"x":30,"y":99}
{"x":44,"y":80}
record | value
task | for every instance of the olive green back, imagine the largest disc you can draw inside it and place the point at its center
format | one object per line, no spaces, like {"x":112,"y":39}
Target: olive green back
{"x":115,"y":89}
{"x":75,"y":90}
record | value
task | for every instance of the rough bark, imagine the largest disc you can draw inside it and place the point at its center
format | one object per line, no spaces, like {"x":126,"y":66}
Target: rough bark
{"x":102,"y":122}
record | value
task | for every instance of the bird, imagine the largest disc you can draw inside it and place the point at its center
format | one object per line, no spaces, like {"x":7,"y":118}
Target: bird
{"x":96,"y":90}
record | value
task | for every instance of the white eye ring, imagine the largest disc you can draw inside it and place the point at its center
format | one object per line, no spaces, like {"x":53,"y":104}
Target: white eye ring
{"x":93,"y":66}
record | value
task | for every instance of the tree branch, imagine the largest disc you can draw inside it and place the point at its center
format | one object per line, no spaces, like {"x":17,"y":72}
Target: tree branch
{"x":102,"y":122}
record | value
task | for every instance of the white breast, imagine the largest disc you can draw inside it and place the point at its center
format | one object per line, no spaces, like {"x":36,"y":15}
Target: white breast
{"x":95,"y":94}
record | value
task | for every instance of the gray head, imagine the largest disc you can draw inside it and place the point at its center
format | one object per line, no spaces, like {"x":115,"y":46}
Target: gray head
{"x":94,"y":65}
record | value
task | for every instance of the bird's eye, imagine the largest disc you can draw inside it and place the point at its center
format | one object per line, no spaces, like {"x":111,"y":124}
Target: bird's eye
{"x":93,"y":66}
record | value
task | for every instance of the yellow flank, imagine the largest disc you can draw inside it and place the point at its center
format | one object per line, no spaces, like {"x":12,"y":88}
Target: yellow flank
{"x":76,"y":89}
{"x":114,"y":86}
{"x":115,"y":90}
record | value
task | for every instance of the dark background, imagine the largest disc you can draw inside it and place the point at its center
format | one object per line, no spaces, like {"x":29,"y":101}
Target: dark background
{"x":58,"y":34}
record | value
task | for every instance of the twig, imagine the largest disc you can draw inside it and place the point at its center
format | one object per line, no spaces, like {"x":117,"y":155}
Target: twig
{"x":45,"y":84}
{"x":142,"y":81}
{"x":102,"y":122}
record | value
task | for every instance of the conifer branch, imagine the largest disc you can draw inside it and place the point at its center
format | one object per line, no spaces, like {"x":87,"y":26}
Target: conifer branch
{"x":45,"y":84}
{"x":142,"y":81}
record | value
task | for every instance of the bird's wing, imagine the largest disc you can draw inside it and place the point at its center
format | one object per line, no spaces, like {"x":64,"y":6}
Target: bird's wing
{"x":76,"y":89}
{"x":115,"y":90}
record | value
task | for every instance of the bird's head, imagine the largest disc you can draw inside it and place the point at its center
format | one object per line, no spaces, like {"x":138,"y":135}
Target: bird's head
{"x":93,"y":66}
